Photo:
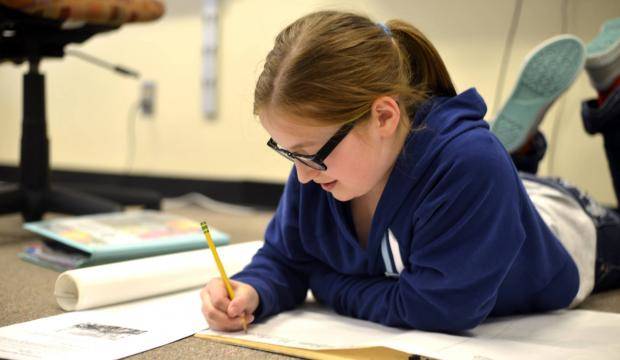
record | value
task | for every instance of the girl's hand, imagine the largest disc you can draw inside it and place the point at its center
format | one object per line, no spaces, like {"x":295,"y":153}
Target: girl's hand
{"x":223,"y":314}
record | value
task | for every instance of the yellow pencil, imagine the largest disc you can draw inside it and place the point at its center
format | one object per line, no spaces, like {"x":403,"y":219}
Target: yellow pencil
{"x":231,"y":293}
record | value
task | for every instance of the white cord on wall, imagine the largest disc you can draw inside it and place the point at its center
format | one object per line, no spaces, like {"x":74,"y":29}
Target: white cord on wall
{"x":555,"y":129}
{"x":512,"y":30}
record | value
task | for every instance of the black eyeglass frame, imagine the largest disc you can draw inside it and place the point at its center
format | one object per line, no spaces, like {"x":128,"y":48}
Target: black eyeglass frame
{"x":315,"y":161}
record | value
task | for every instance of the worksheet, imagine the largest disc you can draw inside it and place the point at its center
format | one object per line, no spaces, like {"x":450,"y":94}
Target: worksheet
{"x":566,"y":334}
{"x":106,"y":333}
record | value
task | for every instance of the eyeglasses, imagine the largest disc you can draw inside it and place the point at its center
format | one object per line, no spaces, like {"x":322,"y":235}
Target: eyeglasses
{"x":315,"y":161}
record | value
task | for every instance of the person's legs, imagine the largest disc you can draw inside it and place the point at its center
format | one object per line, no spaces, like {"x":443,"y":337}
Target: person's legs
{"x":528,"y":157}
{"x":607,"y":271}
{"x":518,"y":130}
{"x":612,"y":149}
{"x":602,"y":116}
{"x":607,"y":225}
{"x":605,"y":120}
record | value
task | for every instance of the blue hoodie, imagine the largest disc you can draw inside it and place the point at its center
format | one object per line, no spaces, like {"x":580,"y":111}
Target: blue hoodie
{"x":454,"y":238}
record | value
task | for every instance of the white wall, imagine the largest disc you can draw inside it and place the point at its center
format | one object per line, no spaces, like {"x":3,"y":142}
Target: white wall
{"x":88,"y":107}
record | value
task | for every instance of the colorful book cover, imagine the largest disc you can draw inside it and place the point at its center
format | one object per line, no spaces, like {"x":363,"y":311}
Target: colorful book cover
{"x":96,"y":239}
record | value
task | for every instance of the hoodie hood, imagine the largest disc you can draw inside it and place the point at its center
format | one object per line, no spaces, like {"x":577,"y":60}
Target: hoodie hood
{"x":436,"y":122}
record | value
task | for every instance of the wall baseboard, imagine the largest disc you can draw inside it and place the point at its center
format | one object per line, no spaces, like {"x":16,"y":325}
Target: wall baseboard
{"x":249,"y":193}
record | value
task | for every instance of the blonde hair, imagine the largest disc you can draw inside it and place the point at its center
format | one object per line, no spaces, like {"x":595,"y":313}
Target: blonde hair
{"x":330,"y":66}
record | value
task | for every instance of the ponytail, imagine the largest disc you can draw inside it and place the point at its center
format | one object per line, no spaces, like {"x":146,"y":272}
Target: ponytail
{"x":428,"y":71}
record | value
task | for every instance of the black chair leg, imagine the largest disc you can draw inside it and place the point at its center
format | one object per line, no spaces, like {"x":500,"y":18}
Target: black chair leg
{"x":10,"y":199}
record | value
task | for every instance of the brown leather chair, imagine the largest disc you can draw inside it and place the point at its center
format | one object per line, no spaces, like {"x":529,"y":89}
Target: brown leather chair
{"x":31,"y":30}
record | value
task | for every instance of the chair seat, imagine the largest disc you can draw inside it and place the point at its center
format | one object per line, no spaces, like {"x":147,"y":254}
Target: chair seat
{"x":24,"y":36}
{"x":101,"y":12}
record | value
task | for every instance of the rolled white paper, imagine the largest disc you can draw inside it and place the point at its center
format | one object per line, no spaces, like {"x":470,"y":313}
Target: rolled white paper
{"x":101,"y":285}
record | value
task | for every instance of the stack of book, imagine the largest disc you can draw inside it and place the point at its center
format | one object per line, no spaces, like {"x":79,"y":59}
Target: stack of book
{"x":80,"y":241}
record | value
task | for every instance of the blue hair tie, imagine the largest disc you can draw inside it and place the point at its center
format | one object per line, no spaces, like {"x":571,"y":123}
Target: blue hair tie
{"x":385,"y":29}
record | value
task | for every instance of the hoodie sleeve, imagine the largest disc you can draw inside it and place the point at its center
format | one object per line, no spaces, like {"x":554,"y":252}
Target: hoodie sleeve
{"x":466,"y":234}
{"x":279,"y":269}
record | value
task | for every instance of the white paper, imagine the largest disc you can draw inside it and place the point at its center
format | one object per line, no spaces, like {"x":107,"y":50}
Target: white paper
{"x":569,"y":334}
{"x":107,"y":333}
{"x":313,"y":327}
{"x":135,"y":279}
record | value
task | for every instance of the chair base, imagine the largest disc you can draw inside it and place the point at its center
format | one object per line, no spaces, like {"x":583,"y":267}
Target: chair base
{"x":34,"y":203}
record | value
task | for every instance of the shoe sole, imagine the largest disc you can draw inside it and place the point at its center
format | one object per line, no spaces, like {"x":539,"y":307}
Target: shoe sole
{"x":548,"y":70}
{"x":603,"y":59}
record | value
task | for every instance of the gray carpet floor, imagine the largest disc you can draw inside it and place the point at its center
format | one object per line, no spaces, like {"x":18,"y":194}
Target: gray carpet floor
{"x":27,"y":290}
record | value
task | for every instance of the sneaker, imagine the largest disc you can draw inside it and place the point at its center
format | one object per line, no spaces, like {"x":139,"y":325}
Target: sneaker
{"x":603,"y":56}
{"x":547,"y":72}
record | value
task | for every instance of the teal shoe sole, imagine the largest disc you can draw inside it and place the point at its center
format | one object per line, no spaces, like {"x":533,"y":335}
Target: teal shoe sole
{"x":547,"y":72}
{"x":605,"y":41}
{"x":603,"y":55}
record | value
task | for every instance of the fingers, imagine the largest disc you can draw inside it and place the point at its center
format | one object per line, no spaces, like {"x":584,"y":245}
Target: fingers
{"x":218,"y":294}
{"x":245,"y":301}
{"x":215,"y":308}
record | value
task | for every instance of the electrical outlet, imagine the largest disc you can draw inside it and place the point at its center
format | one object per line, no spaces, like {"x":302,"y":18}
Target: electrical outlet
{"x":147,"y":98}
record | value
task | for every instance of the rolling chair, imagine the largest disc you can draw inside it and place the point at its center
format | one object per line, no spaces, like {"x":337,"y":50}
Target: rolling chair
{"x":31,"y":30}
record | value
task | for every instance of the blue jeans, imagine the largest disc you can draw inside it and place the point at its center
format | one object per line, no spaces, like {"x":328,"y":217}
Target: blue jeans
{"x":604,"y":120}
